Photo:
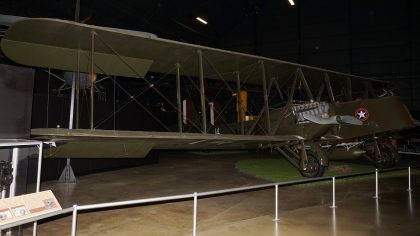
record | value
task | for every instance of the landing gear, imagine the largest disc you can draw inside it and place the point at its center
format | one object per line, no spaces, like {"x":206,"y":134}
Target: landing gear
{"x":383,"y":154}
{"x":313,"y":167}
{"x":310,"y":162}
{"x":389,"y":156}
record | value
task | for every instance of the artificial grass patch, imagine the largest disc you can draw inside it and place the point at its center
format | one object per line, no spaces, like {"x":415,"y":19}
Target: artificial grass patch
{"x":279,"y":170}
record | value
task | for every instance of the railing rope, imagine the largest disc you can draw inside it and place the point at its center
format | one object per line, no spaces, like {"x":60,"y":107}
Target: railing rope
{"x":75,"y":209}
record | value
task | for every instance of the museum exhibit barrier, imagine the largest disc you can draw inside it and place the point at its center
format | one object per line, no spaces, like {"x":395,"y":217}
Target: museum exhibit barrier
{"x":75,"y":209}
{"x":15,"y":144}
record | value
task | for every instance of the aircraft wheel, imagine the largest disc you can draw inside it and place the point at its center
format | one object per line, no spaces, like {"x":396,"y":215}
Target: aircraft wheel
{"x":389,"y":156}
{"x":315,"y":169}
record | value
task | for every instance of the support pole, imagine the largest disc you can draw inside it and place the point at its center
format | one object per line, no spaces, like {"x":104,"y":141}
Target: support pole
{"x":77,"y":11}
{"x":266,"y":110}
{"x":333,"y":193}
{"x":276,"y":203}
{"x":67,"y":176}
{"x":239,"y":102}
{"x":92,"y":79}
{"x":35,"y":228}
{"x":38,"y":176}
{"x":74,"y":221}
{"x":178,"y":96}
{"x":409,"y":179}
{"x":194,"y":233}
{"x":202,"y":92}
{"x":15,"y":160}
{"x":38,"y":183}
{"x":376,"y":185}
{"x":12,"y":188}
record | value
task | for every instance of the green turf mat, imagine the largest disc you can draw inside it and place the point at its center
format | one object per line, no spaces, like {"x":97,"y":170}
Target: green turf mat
{"x":279,"y":169}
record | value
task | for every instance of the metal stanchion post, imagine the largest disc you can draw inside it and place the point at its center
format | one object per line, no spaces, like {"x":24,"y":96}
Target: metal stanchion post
{"x":74,"y":221}
{"x":276,"y":203}
{"x":194,"y":233}
{"x":376,"y":184}
{"x":409,"y":179}
{"x":333,"y":193}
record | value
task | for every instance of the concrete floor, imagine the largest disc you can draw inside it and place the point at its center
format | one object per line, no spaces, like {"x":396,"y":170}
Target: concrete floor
{"x":304,"y":210}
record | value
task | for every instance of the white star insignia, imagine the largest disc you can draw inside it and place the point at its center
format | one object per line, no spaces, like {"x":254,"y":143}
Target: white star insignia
{"x":362,"y":115}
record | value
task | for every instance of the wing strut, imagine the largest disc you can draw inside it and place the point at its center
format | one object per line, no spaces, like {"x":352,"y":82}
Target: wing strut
{"x":202,"y":92}
{"x":239,"y":102}
{"x":178,"y":96}
{"x":329,"y":88}
{"x":92,"y":79}
{"x":264,"y":85}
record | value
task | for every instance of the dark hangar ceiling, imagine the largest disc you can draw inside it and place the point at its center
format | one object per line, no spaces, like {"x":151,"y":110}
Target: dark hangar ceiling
{"x":166,"y":18}
{"x":373,"y":38}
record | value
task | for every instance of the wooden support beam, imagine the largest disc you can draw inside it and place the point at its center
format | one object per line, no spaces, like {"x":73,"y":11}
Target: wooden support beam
{"x":92,"y":79}
{"x":278,"y":89}
{"x":366,"y":91}
{"x":305,"y":84}
{"x":280,"y":117}
{"x":239,"y":102}
{"x":202,"y":92}
{"x":329,"y":88}
{"x":78,"y":89}
{"x":320,"y":92}
{"x":178,"y":96}
{"x":266,"y":107}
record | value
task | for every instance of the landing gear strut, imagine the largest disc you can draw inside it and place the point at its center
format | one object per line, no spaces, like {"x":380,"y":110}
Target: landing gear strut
{"x":383,"y":154}
{"x":310,"y":162}
{"x":313,"y":167}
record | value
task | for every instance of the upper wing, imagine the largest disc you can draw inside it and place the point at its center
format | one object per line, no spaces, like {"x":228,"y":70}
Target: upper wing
{"x":66,"y":45}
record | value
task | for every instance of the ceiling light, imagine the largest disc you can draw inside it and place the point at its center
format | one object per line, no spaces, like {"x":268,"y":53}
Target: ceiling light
{"x":201,"y":20}
{"x":292,"y":2}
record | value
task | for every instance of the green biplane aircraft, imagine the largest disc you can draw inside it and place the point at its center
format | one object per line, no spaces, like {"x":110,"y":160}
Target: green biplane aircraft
{"x":309,"y":115}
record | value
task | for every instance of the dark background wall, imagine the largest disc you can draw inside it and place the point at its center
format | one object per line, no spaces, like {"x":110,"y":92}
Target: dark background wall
{"x":375,"y":38}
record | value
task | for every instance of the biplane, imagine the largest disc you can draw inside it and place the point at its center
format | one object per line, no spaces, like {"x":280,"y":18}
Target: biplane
{"x":309,"y":115}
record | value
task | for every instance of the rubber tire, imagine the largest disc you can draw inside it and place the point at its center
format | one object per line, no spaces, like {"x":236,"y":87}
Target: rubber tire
{"x":318,"y":172}
{"x":391,"y":156}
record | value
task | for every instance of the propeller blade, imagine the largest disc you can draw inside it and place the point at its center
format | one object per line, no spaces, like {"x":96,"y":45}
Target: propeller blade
{"x":333,"y":120}
{"x":322,"y":121}
{"x":350,"y":120}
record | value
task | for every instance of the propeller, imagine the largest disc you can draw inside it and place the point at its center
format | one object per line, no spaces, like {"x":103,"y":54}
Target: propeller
{"x":333,"y":120}
{"x":350,"y":120}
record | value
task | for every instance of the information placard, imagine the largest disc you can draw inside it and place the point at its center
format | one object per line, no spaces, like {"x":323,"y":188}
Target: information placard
{"x":25,"y":206}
